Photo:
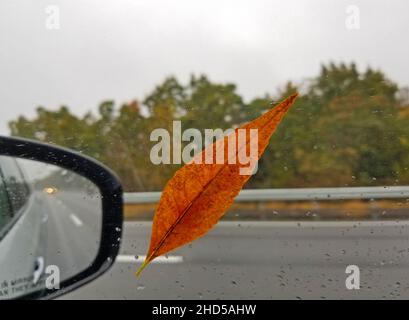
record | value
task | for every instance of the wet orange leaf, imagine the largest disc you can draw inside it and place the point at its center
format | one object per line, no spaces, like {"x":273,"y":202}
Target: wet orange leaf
{"x":198,"y":195}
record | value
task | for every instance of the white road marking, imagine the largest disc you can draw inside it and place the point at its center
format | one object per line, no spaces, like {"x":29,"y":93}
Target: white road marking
{"x":141,"y":259}
{"x":77,"y":221}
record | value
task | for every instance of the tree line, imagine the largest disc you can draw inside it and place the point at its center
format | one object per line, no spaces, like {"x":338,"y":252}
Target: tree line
{"x":347,"y":128}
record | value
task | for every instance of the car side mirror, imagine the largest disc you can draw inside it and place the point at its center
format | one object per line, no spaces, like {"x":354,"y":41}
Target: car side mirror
{"x":60,"y":219}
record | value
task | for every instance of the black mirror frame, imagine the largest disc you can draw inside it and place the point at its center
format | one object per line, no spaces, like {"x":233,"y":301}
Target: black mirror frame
{"x":112,"y":205}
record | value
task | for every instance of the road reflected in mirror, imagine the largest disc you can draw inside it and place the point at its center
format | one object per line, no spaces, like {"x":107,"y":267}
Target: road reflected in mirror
{"x":50,"y":226}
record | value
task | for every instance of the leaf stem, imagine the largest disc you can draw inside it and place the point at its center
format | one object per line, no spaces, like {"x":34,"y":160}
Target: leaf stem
{"x":145,"y":263}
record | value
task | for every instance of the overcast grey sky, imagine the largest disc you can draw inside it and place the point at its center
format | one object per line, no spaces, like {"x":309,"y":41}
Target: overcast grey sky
{"x":121,"y":49}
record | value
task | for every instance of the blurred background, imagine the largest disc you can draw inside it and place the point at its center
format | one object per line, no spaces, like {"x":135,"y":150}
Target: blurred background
{"x":99,"y":76}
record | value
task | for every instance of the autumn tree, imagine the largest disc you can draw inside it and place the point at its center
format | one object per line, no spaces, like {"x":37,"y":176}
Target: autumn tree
{"x":347,"y":128}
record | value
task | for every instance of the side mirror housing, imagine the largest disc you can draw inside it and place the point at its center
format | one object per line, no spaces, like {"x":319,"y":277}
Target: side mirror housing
{"x":61,"y":217}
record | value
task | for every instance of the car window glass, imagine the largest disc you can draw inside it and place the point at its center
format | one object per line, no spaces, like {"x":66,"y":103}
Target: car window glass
{"x":331,"y":190}
{"x":15,"y":183}
{"x":5,"y":209}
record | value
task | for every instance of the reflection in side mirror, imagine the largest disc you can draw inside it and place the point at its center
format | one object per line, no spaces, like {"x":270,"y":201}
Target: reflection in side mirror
{"x":53,"y":226}
{"x":49,"y":216}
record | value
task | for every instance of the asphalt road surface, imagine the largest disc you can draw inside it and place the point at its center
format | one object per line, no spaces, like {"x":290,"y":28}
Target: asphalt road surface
{"x":73,"y":231}
{"x":264,"y":260}
{"x":62,"y":229}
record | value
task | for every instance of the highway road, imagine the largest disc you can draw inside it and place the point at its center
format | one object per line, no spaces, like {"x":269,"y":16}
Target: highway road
{"x":264,"y":260}
{"x":61,"y":229}
{"x":73,"y":230}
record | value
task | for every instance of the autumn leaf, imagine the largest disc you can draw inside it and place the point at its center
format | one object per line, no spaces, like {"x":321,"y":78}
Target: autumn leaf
{"x":199,"y":194}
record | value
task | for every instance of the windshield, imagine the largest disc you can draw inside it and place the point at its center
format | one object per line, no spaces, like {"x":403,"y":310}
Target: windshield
{"x":144,"y":86}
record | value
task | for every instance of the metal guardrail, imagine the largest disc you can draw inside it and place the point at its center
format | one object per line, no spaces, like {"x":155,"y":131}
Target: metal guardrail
{"x":301,"y":194}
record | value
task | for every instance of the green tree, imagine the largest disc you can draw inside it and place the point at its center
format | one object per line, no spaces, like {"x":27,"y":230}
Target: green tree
{"x":346,"y":128}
